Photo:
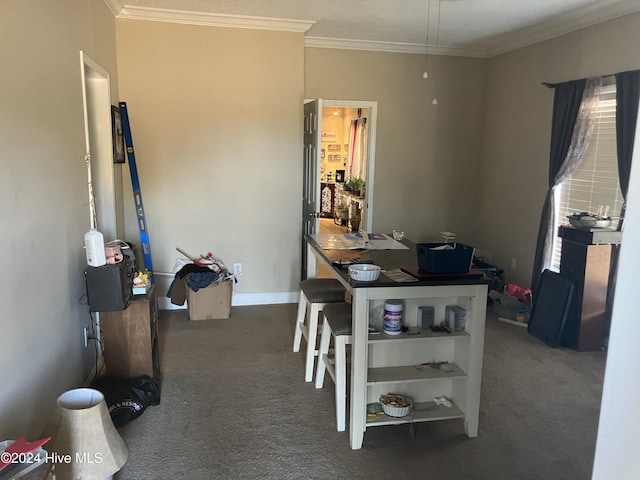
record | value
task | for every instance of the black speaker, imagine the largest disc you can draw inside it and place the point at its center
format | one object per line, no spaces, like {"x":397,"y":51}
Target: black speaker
{"x":109,"y":288}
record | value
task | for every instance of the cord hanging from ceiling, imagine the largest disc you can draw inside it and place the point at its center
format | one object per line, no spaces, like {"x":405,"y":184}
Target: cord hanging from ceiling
{"x":425,"y":75}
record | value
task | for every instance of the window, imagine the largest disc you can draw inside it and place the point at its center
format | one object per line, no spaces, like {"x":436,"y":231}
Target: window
{"x":595,"y":183}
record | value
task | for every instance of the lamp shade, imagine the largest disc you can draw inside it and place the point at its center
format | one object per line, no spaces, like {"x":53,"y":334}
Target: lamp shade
{"x":87,"y":444}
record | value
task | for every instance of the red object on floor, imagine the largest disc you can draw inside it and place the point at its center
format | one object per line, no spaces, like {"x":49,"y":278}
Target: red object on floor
{"x":21,"y":446}
{"x":522,"y":294}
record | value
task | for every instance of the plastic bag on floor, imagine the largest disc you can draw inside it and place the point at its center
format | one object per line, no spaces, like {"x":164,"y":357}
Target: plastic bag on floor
{"x":521,"y":293}
{"x":127,"y":399}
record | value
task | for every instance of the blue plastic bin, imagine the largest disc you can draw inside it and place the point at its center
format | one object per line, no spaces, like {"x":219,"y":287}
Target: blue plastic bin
{"x":455,"y":260}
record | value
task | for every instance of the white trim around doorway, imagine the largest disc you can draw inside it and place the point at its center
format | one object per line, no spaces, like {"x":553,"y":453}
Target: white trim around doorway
{"x":371,"y":159}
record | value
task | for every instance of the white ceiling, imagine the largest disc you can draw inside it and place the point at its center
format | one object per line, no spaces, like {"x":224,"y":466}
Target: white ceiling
{"x":479,"y":28}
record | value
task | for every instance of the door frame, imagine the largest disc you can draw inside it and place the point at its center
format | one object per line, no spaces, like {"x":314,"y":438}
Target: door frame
{"x":309,"y":264}
{"x":96,"y":107}
{"x":96,"y":99}
{"x":371,"y":153}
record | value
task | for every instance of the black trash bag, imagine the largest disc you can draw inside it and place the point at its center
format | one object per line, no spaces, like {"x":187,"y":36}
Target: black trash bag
{"x":127,"y":399}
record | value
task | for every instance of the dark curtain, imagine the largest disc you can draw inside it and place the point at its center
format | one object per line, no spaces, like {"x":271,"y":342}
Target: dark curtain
{"x":627,"y":98}
{"x":566,"y":104}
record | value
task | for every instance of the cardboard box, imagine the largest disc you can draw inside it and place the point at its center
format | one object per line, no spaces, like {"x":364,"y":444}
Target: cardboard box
{"x":212,"y":302}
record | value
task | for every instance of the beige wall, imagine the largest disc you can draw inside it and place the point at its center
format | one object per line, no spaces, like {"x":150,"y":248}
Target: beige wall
{"x":427,"y":157}
{"x":192,"y":123}
{"x":216,"y":117}
{"x":517,"y":126}
{"x":43,"y":202}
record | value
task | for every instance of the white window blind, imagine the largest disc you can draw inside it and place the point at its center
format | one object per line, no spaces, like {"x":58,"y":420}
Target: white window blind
{"x":595,"y":182}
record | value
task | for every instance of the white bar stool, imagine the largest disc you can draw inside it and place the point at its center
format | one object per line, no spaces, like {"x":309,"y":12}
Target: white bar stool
{"x":336,"y":325}
{"x":315,"y":294}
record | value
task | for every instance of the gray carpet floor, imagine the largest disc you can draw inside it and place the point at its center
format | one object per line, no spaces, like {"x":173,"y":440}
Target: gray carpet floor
{"x":235,"y":406}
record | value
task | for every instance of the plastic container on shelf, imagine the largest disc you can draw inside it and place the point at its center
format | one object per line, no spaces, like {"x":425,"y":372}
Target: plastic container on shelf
{"x":455,"y":318}
{"x":393,"y":310}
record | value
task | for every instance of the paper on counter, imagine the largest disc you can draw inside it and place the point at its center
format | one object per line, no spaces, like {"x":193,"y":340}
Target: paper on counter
{"x":353,"y":241}
{"x":398,"y":275}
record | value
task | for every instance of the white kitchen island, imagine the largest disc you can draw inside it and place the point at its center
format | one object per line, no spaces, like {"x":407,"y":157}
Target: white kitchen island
{"x":383,"y":363}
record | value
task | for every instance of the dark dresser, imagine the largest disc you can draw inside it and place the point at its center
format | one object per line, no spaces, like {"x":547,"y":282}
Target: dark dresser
{"x":585,"y":260}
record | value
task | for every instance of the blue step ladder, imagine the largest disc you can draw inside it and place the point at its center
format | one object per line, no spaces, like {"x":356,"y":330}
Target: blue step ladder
{"x":137,"y":193}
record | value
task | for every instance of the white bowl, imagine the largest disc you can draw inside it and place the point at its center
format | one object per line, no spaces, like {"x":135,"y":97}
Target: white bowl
{"x":602,"y":223}
{"x":395,"y":411}
{"x":364,"y":272}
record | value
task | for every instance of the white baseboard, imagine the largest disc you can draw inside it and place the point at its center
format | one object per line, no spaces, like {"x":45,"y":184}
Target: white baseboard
{"x":241,"y":299}
{"x":513,"y":322}
{"x":94,"y":372}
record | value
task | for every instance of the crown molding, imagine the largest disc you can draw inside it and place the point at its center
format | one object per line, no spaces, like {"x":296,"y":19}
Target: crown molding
{"x":563,"y":24}
{"x":115,"y":6}
{"x":560,"y":25}
{"x":391,"y":47}
{"x":210,"y":19}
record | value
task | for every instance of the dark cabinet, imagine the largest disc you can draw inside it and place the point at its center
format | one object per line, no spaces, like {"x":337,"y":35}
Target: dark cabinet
{"x":587,"y":266}
{"x":130,"y":338}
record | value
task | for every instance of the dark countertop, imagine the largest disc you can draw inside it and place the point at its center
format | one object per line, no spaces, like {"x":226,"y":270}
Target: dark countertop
{"x":390,"y":260}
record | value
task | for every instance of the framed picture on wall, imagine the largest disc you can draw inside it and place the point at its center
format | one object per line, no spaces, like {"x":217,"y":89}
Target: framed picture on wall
{"x":329,"y":136}
{"x":336,"y":157}
{"x":333,"y":147}
{"x":118,"y":136}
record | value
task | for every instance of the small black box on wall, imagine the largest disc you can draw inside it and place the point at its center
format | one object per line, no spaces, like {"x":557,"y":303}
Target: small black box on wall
{"x":109,"y":287}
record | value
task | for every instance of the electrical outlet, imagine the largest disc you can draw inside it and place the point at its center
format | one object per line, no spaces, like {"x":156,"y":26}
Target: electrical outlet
{"x":513,"y":264}
{"x":86,"y":336}
{"x":237,"y":269}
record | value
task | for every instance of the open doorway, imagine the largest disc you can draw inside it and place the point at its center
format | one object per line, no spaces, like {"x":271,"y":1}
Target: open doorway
{"x":344,"y":168}
{"x":339,"y":147}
